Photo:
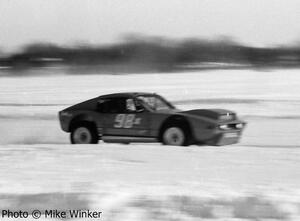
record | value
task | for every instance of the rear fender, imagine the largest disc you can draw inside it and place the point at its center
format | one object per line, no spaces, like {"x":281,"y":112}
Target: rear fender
{"x":81,"y":118}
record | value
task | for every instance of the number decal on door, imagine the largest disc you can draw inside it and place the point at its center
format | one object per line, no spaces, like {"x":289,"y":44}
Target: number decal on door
{"x":119,"y":120}
{"x":126,"y":121}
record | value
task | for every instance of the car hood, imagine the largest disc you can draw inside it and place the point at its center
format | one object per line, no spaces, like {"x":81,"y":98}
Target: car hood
{"x":215,"y":114}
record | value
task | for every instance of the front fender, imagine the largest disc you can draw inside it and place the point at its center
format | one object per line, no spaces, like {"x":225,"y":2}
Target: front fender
{"x":202,"y":128}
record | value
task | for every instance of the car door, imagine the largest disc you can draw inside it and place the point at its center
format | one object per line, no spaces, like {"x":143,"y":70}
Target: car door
{"x":121,"y":118}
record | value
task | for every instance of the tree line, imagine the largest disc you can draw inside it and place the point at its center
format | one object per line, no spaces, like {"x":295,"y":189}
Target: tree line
{"x":155,"y":53}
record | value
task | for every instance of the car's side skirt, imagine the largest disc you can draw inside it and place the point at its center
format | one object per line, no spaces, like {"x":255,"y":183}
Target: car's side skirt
{"x":121,"y":139}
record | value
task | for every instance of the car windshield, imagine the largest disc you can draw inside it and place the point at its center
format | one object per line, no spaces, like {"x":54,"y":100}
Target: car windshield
{"x":155,"y":102}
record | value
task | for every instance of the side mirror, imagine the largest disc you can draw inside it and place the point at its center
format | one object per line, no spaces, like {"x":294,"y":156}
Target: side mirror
{"x":139,"y":106}
{"x":140,"y":110}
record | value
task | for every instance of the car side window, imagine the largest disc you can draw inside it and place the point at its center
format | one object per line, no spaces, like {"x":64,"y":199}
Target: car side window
{"x":116,"y":105}
{"x":130,"y":106}
{"x":102,"y":105}
{"x":113,"y":105}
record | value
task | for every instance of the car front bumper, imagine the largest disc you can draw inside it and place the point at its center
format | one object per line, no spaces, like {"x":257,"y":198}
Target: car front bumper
{"x":225,"y":138}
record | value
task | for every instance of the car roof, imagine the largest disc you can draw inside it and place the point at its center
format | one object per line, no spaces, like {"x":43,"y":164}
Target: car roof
{"x":126,"y":94}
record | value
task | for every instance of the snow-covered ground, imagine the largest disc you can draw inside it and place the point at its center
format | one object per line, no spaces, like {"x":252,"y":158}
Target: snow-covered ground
{"x":258,"y":179}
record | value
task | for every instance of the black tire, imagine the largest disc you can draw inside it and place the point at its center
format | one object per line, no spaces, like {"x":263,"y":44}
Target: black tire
{"x":175,"y":135}
{"x":84,"y":133}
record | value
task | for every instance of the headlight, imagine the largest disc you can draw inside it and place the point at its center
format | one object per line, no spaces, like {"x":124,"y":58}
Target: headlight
{"x":223,"y":127}
{"x":239,"y":126}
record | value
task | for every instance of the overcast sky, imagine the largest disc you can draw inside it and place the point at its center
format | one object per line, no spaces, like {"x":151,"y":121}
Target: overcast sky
{"x":255,"y":22}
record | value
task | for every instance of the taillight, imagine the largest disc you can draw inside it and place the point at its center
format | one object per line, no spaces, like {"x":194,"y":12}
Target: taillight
{"x":65,"y":114}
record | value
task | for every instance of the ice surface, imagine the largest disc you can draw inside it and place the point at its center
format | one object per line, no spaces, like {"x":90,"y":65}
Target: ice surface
{"x":257,"y":179}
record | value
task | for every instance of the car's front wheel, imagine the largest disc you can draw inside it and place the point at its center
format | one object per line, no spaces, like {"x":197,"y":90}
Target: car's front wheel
{"x":174,"y":136}
{"x":84,"y":134}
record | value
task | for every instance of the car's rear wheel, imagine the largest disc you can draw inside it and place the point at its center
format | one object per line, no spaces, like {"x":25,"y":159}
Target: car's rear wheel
{"x":175,"y":136}
{"x":84,"y":134}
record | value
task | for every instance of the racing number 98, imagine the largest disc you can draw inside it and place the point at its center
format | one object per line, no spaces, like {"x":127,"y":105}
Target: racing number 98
{"x":124,"y":120}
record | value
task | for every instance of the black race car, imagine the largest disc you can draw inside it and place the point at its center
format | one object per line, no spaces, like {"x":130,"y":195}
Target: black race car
{"x":147,"y":117}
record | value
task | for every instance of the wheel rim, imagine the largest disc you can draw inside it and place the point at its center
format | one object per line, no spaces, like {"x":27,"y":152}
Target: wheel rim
{"x":82,"y":135}
{"x":174,"y":136}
